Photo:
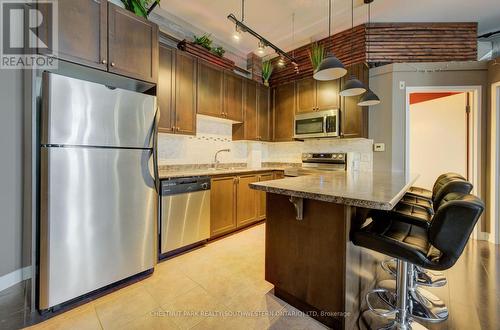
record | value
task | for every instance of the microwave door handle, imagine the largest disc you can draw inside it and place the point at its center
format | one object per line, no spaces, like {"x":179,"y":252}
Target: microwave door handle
{"x":326,"y":125}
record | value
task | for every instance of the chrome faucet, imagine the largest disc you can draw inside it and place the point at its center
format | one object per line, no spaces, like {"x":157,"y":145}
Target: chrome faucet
{"x":216,"y":161}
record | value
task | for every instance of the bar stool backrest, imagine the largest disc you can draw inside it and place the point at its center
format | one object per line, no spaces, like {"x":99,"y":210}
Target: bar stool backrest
{"x":442,"y":179}
{"x":451,"y":185}
{"x":452,"y":225}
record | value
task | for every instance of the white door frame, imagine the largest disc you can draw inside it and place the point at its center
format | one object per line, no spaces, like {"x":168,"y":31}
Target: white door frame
{"x":493,"y":207}
{"x":474,"y":134}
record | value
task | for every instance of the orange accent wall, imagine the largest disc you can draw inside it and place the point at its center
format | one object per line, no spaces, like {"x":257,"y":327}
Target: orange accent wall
{"x":422,"y":97}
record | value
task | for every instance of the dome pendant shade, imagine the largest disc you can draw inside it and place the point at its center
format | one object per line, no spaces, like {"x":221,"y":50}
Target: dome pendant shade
{"x":330,"y":69}
{"x":353,"y":87}
{"x":370,"y":98}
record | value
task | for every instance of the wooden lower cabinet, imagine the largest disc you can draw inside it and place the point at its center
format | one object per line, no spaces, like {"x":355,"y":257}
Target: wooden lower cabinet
{"x":246,"y":200}
{"x":234,"y":205}
{"x":222,"y":205}
{"x":262,"y":196}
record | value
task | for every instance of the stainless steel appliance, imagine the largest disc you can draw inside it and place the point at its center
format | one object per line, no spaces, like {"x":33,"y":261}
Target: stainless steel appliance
{"x":185,"y":213}
{"x":317,"y":163}
{"x":318,"y":124}
{"x":98,"y":198}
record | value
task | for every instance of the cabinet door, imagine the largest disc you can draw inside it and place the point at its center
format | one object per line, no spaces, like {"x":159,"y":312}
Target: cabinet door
{"x":82,"y":32}
{"x":210,"y":89}
{"x":165,"y":89}
{"x":233,"y":97}
{"x":250,"y":110}
{"x":133,"y":45}
{"x":306,"y":95}
{"x":327,"y":95}
{"x":279,"y":175}
{"x":262,"y":196}
{"x":246,"y":200}
{"x":354,"y":119}
{"x":263,"y":113}
{"x":284,"y":112}
{"x":222,"y":205}
{"x":185,"y":94}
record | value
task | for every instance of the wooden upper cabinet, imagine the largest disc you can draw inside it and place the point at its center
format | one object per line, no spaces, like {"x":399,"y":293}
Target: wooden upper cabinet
{"x":165,"y":89}
{"x":247,"y":200}
{"x":314,"y":95}
{"x":327,"y":95}
{"x":222,"y":205}
{"x":82,"y":31}
{"x":284,"y":112}
{"x":185,"y":93}
{"x":233,"y":97}
{"x":263,"y":113}
{"x":354,"y":119}
{"x":210,"y":89}
{"x":306,"y":95}
{"x":250,"y":110}
{"x":133,"y":44}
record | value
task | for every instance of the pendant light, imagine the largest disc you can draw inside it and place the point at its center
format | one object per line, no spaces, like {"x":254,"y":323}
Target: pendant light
{"x":369,"y":98}
{"x":353,"y":86}
{"x":330,"y":67}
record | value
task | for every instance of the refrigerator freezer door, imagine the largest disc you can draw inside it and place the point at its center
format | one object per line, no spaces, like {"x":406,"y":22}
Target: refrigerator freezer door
{"x":77,"y":112}
{"x":98,"y":216}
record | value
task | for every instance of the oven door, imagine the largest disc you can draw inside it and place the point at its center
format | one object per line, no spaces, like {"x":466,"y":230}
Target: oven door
{"x":309,"y":126}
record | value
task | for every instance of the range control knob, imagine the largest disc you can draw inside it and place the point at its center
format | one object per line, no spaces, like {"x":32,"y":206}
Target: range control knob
{"x":340,"y":156}
{"x":204,"y":186}
{"x":334,"y":156}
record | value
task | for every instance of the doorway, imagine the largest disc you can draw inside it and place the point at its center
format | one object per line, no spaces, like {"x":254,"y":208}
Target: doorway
{"x":447,"y":139}
{"x":438,"y":134}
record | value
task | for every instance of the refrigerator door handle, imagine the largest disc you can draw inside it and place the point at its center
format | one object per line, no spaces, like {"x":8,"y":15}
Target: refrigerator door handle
{"x":155,"y":150}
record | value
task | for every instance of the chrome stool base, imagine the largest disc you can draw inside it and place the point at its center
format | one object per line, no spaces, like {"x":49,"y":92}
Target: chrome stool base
{"x":388,"y":323}
{"x":424,"y":305}
{"x":425,"y":277}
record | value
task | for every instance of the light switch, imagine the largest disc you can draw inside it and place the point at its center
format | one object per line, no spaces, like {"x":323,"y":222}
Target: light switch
{"x":379,"y":147}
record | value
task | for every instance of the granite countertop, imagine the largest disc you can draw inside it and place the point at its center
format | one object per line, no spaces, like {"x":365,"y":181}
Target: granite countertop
{"x":169,"y":171}
{"x":374,"y":190}
{"x":168,"y":174}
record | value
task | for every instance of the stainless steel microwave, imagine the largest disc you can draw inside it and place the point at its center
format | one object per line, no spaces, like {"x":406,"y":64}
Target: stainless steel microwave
{"x":318,"y":124}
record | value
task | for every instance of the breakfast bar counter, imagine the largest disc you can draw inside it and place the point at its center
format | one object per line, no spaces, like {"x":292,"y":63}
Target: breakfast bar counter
{"x":309,"y":256}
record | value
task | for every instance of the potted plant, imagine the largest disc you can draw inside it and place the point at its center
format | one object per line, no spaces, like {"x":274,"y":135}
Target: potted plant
{"x":267,"y":70}
{"x":204,"y":41}
{"x":219,"y":51}
{"x":316,"y":55}
{"x":140,"y":7}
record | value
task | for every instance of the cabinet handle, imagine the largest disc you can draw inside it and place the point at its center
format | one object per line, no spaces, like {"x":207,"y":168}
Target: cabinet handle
{"x":112,"y":63}
{"x":104,"y":62}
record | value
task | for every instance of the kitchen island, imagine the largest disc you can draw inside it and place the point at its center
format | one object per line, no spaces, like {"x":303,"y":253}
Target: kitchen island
{"x":309,"y":256}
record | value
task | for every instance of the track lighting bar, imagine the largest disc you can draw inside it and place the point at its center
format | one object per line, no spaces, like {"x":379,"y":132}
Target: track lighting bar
{"x":244,"y":28}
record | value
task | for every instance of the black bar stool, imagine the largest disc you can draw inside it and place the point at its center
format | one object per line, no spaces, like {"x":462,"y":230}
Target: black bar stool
{"x":436,"y":247}
{"x":420,"y":216}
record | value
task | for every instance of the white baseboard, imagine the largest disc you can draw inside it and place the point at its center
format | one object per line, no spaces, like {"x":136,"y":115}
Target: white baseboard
{"x":10,"y":279}
{"x":482,"y":236}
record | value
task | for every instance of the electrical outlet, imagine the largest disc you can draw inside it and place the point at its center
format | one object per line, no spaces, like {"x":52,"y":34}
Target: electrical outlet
{"x":402,"y":85}
{"x":379,"y":147}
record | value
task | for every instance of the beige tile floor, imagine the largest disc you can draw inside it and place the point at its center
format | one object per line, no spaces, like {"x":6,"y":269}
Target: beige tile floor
{"x":219,"y":286}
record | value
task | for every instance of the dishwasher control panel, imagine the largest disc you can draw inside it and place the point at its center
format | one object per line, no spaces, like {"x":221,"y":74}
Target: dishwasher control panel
{"x":184,"y":185}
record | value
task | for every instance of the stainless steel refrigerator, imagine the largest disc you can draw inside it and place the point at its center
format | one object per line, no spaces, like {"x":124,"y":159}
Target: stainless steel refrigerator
{"x":98,"y":206}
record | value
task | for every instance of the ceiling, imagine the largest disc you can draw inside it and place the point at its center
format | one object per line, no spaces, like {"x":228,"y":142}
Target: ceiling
{"x":273,"y":19}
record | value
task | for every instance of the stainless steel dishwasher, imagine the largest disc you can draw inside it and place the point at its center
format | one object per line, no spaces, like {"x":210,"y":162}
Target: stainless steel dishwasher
{"x":185,"y":214}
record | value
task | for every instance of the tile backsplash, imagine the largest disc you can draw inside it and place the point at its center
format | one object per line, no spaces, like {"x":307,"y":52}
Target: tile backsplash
{"x":215,"y":134}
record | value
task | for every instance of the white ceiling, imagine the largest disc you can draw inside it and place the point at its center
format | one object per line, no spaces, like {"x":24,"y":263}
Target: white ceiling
{"x":273,"y":18}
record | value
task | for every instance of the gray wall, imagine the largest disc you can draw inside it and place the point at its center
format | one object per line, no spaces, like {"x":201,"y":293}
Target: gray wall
{"x":387,"y":121}
{"x":11,"y":170}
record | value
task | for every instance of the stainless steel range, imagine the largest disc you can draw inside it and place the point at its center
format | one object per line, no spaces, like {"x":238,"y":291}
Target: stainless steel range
{"x":317,"y":163}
